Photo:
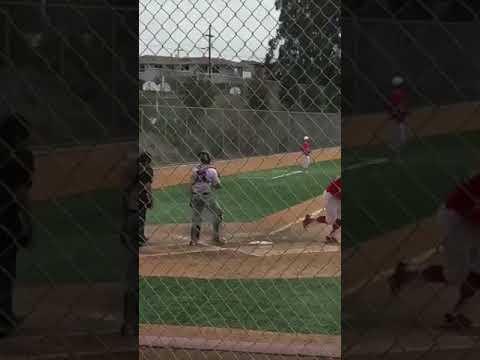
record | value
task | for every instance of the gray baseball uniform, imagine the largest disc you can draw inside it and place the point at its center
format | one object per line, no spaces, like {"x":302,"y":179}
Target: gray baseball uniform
{"x":205,"y":179}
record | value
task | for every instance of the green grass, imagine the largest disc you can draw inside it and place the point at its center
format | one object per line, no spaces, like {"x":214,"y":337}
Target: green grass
{"x":249,"y":197}
{"x":76,"y":239}
{"x":381,"y":198}
{"x":309,"y":306}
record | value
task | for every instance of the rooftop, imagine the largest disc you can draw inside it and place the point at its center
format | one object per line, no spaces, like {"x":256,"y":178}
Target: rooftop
{"x":168,"y":60}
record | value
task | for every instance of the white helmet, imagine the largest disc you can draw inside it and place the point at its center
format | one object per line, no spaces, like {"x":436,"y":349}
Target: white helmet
{"x":397,"y":81}
{"x":306,"y":138}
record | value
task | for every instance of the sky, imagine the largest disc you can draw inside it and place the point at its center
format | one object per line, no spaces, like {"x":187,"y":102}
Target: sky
{"x":241,"y":28}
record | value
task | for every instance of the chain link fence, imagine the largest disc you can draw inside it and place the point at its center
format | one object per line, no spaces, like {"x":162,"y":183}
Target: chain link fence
{"x":399,"y":298}
{"x":256,"y":84}
{"x":68,"y":130}
{"x":245,"y":264}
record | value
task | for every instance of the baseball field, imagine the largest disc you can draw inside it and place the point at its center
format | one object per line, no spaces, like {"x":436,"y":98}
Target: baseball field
{"x":272,"y":280}
{"x":268,"y":258}
{"x":272,"y":283}
{"x":395,"y":220}
{"x":401,"y":192}
{"x":250,"y":196}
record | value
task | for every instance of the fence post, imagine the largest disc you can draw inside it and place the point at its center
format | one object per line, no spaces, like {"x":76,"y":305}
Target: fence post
{"x":356,"y":40}
{"x":7,"y":34}
{"x":113,"y":111}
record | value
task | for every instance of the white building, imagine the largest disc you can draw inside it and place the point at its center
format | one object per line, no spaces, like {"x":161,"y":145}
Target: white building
{"x":153,"y":68}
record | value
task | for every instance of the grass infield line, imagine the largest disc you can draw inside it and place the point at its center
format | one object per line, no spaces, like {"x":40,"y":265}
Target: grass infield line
{"x":287,"y":174}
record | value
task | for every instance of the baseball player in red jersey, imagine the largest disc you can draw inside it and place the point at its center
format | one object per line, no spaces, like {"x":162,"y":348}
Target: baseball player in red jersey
{"x":306,"y":151}
{"x":333,"y":210}
{"x":397,"y":108}
{"x":459,"y":218}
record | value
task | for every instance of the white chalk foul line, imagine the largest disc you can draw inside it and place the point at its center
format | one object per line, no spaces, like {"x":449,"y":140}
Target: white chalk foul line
{"x":271,"y":251}
{"x":253,"y":177}
{"x":418,"y":260}
{"x":287,"y":174}
{"x":299,"y":220}
{"x":259,"y":242}
{"x":366,"y":163}
{"x":201,"y":248}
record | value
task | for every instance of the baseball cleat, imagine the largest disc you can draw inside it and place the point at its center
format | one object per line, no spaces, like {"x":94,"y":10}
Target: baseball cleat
{"x":459,"y":321}
{"x":400,"y":278}
{"x":307,"y":221}
{"x":193,"y":243}
{"x":218,"y":242}
{"x":331,"y":240}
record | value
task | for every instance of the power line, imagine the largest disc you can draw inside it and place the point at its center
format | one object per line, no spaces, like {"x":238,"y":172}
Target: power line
{"x":210,"y":36}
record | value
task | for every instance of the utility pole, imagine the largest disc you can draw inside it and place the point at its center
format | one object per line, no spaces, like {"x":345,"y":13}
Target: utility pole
{"x":178,"y":50}
{"x":210,"y":36}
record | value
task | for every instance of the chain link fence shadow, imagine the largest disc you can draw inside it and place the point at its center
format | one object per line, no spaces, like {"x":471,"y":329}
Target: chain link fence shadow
{"x":256,"y":84}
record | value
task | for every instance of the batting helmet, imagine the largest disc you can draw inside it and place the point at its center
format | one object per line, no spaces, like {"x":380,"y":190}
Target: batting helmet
{"x":205,"y":157}
{"x":397,"y":80}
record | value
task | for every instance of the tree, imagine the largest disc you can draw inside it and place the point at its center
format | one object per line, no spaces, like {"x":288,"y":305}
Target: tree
{"x":305,"y":41}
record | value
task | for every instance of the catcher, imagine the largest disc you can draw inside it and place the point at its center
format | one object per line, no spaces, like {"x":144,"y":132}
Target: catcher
{"x":459,"y":218}
{"x":333,"y":207}
{"x":205,"y":180}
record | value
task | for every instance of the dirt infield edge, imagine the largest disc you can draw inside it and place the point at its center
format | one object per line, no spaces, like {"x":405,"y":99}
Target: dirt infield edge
{"x":240,"y":340}
{"x":180,"y":174}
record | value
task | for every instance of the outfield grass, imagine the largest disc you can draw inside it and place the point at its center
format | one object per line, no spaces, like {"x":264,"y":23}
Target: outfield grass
{"x":76,"y":239}
{"x":309,"y":306}
{"x":381,"y":198}
{"x":249,"y":197}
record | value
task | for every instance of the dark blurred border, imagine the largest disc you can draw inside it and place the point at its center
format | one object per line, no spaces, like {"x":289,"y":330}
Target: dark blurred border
{"x":391,"y":197}
{"x":71,"y":69}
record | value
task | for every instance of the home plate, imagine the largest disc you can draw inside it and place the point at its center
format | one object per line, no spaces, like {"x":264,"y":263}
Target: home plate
{"x":257,"y":242}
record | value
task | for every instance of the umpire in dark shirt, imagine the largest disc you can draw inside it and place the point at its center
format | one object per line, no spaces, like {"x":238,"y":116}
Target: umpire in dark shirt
{"x":138,"y":199}
{"x":16,"y":168}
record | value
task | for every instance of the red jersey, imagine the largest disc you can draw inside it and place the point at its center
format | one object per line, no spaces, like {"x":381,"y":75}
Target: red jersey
{"x":335,"y":188}
{"x":465,"y":200}
{"x":306,"y":148}
{"x":398,"y":104}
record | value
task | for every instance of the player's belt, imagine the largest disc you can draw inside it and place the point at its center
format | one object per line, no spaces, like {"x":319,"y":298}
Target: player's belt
{"x":205,"y":193}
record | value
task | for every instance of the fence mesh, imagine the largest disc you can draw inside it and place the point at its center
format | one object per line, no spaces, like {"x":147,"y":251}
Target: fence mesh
{"x":68,"y":127}
{"x":401,"y":171}
{"x":240,"y":258}
{"x":245,"y":81}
